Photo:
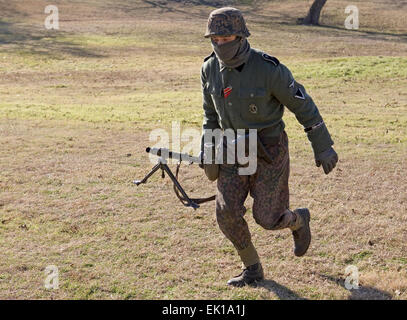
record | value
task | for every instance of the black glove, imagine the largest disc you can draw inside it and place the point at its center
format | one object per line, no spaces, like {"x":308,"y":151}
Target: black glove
{"x":328,"y":159}
{"x":211,"y":169}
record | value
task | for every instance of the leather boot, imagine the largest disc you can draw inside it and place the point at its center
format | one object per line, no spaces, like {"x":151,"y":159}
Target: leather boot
{"x":301,"y":231}
{"x":249,"y":276}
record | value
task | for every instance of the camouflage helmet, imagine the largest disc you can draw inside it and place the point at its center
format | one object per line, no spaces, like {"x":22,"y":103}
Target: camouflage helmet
{"x":226,"y":22}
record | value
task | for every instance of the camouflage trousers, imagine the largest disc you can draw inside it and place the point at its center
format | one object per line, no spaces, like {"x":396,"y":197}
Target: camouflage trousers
{"x":269,"y":189}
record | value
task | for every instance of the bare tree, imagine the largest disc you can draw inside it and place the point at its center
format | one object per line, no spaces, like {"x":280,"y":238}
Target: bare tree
{"x":313,"y":13}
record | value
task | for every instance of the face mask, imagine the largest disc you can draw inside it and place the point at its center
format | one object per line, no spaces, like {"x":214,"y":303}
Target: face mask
{"x":234,"y":53}
{"x":227,"y":51}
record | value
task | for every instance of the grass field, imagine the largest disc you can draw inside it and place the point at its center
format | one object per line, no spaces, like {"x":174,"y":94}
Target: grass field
{"x":77,"y":106}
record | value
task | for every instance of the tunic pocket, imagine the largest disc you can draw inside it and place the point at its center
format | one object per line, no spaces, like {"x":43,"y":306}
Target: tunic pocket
{"x":253,"y":104}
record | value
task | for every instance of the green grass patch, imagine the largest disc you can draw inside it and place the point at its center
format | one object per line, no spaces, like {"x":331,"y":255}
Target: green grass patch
{"x":143,"y":108}
{"x":357,"y":257}
{"x":355,"y":68}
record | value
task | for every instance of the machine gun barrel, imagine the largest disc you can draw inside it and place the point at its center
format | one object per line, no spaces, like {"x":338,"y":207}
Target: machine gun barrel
{"x":168,"y":154}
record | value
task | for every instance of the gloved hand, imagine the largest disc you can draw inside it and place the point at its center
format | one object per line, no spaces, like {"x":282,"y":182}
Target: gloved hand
{"x":328,"y":159}
{"x":211,"y":169}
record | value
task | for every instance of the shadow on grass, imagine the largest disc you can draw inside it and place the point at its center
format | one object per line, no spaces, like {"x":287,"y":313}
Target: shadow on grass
{"x":370,"y":34}
{"x":279,"y":290}
{"x":363,"y":293}
{"x":278,"y":18}
{"x":286,"y":20}
{"x":168,"y":5}
{"x":209,"y":3}
{"x":36,"y":40}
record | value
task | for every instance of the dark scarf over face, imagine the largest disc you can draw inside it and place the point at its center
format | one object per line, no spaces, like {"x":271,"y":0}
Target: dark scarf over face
{"x":234,"y":53}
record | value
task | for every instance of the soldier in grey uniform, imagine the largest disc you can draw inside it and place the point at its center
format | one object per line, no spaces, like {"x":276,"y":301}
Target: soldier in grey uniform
{"x":244,"y":88}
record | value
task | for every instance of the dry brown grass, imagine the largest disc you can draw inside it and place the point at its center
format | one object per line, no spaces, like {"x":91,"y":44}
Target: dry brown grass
{"x":76,"y":109}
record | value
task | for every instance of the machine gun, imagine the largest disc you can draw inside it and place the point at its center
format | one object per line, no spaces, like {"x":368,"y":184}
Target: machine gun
{"x":164,"y":154}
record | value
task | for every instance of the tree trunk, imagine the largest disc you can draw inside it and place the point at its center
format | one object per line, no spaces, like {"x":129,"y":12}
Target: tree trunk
{"x":313,"y":13}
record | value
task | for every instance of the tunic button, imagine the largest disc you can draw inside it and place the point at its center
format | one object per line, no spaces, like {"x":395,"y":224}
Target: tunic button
{"x":252,"y":95}
{"x":230,"y":103}
{"x":230,"y":69}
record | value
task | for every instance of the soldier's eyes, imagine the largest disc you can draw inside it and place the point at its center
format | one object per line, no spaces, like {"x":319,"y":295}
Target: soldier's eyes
{"x":223,"y":40}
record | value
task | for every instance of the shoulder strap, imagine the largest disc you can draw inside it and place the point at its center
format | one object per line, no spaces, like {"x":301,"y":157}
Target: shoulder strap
{"x":271,"y":59}
{"x":211,"y":55}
